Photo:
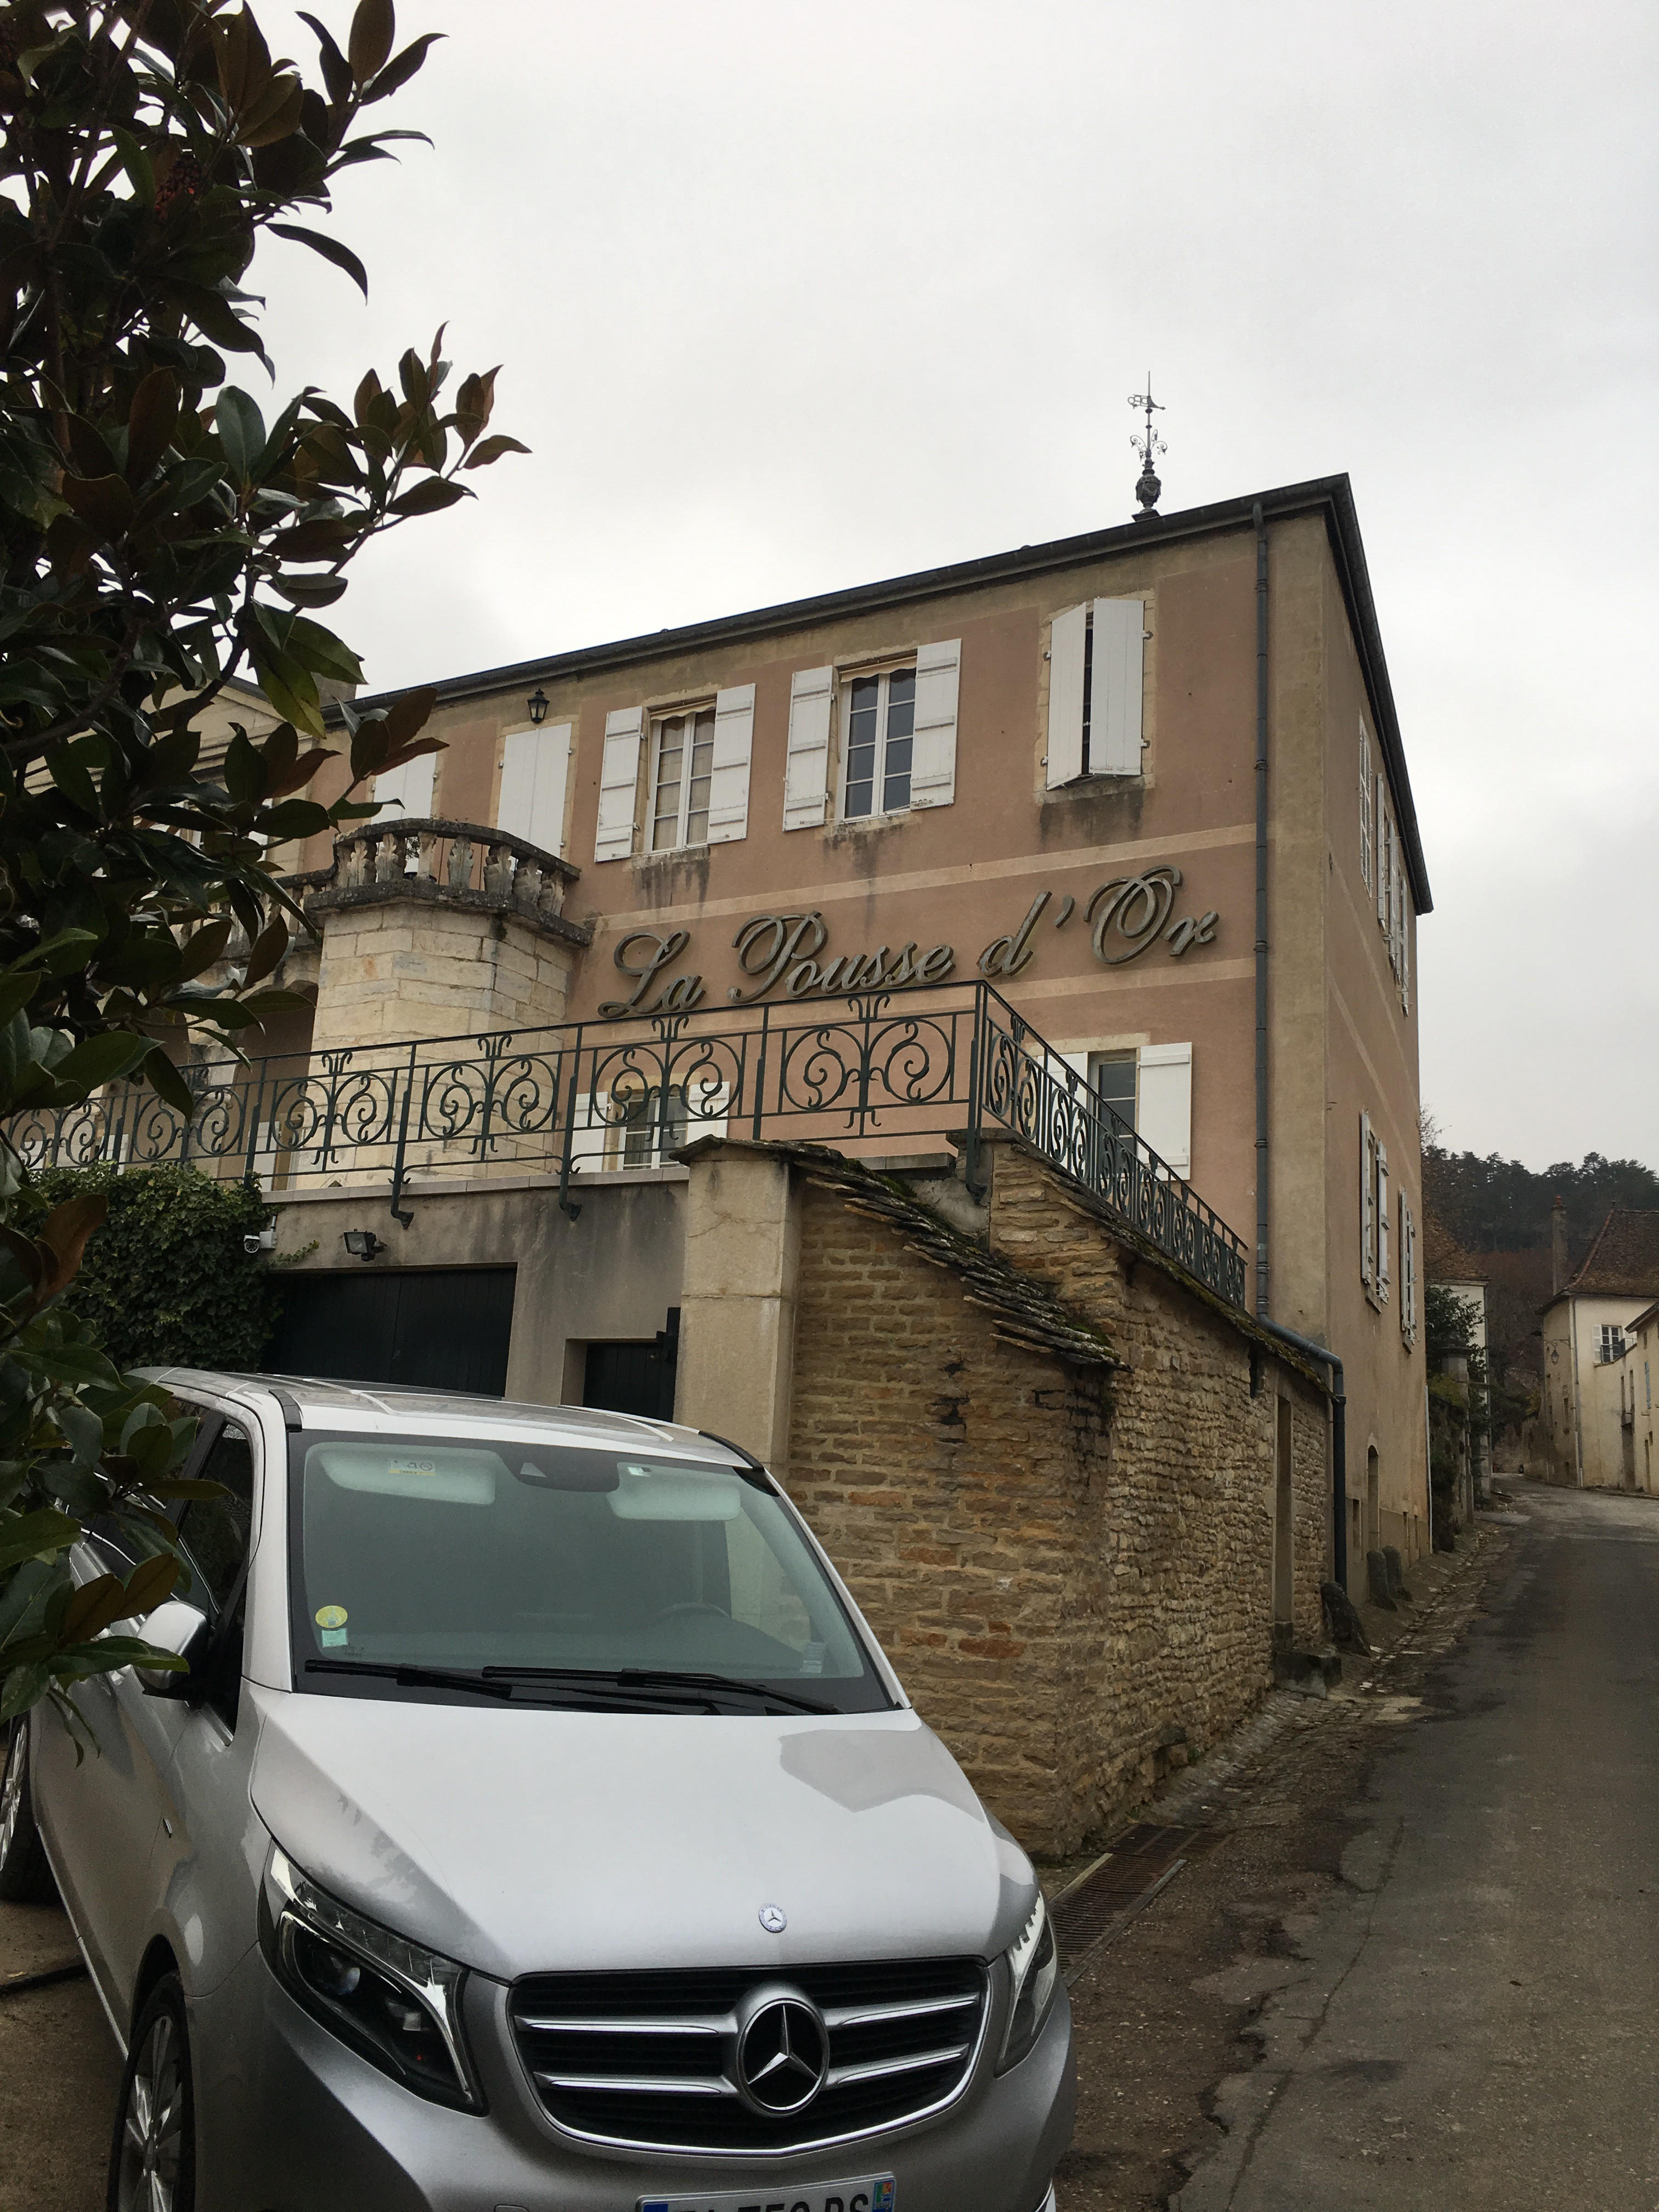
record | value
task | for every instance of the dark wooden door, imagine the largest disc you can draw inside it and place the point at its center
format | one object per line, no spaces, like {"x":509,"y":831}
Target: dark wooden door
{"x":635,"y":1378}
{"x":435,"y":1328}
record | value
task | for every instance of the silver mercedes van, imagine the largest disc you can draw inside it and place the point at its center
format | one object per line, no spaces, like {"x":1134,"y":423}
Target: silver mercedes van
{"x":538,"y":1828}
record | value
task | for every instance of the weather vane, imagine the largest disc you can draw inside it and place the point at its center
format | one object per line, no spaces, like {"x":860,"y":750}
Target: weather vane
{"x":1149,"y":445}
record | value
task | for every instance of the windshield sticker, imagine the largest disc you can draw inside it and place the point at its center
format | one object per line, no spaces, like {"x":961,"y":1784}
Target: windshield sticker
{"x":331,"y":1616}
{"x":812,"y":1658}
{"x":411,"y":1467}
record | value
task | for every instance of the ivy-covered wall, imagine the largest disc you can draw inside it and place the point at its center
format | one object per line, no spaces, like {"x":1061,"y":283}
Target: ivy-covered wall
{"x":165,"y":1281}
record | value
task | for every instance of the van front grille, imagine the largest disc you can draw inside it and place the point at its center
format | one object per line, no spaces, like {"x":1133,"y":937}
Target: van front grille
{"x":650,"y":2061}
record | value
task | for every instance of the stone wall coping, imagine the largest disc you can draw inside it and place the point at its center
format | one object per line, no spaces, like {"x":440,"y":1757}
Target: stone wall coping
{"x":479,"y":1186}
{"x":1237,"y":1318}
{"x":1024,"y":1310}
{"x":418,"y":890}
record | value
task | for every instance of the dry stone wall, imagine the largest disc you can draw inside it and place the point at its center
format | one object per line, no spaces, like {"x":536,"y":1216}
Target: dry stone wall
{"x":1072,"y":1573}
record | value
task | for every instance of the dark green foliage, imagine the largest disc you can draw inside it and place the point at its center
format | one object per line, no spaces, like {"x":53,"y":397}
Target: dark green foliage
{"x":165,"y":1281}
{"x":161,"y":535}
{"x":1495,"y":1205}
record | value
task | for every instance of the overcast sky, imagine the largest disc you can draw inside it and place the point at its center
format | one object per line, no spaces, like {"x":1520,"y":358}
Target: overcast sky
{"x":792,"y":297}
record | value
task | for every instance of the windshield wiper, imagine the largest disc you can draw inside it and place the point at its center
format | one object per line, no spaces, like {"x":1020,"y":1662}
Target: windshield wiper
{"x":414,"y":1678}
{"x":496,"y":1681}
{"x":671,"y":1678}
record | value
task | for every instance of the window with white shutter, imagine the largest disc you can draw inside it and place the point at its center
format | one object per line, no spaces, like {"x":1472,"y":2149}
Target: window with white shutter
{"x":1165,"y":1116}
{"x":1097,"y":690}
{"x":535,"y":770}
{"x":1367,"y":1203}
{"x":878,"y":712}
{"x":1382,"y":1284}
{"x":806,"y":776}
{"x":412,"y":785}
{"x":933,"y":750}
{"x":1405,"y":970}
{"x":619,"y":777}
{"x":1384,"y":846}
{"x":682,"y":769}
{"x":1365,"y":807}
{"x":728,"y":784}
{"x":1408,"y":1273}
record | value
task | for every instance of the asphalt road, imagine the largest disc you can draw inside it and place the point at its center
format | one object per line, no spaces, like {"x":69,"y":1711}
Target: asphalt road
{"x":1473,"y":2019}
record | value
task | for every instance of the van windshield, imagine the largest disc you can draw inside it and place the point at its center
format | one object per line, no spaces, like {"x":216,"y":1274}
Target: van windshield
{"x":534,"y":1567}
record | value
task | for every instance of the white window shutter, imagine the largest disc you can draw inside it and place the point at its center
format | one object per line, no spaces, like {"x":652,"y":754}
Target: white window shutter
{"x":1408,"y":1273}
{"x":1068,"y":647}
{"x":1382,"y":1222}
{"x":1365,"y":807}
{"x":1116,"y":687}
{"x":619,"y":776}
{"x":1165,"y":1118}
{"x":535,"y":770}
{"x":1382,"y":849}
{"x":806,"y":776}
{"x":933,"y":754}
{"x":1367,"y":1202}
{"x":728,"y":781}
{"x":1404,"y":948}
{"x":413,"y":784}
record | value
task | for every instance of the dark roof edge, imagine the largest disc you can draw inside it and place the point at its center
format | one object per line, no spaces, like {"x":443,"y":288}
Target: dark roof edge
{"x":1332,"y":496}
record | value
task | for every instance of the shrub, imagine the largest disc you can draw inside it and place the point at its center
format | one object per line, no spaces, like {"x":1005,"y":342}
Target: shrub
{"x":165,"y":1281}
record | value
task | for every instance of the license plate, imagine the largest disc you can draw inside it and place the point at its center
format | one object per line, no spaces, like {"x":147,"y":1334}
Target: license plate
{"x":874,"y":2193}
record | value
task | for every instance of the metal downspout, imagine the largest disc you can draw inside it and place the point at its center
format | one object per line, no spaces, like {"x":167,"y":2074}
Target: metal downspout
{"x":1263,"y":1303}
{"x":1339,"y":1441}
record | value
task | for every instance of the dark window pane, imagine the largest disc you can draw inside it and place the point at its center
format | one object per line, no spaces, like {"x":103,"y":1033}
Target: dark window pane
{"x":1088,"y":682}
{"x":860,"y":796}
{"x":895,"y":784}
{"x":1114,"y":1079}
{"x":213,"y":1532}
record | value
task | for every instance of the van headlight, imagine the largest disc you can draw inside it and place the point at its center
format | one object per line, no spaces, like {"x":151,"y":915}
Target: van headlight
{"x":398,"y":2005}
{"x":1034,"y":1965}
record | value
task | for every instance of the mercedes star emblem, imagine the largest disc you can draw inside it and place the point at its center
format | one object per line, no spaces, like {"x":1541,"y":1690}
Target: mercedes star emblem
{"x":773,"y":1919}
{"x":783,"y":2054}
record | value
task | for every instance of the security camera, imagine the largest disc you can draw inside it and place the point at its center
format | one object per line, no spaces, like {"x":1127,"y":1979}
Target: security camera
{"x":251,"y":1245}
{"x":263,"y":1240}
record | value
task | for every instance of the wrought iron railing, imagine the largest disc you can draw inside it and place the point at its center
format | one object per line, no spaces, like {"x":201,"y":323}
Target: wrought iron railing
{"x":869,"y":1073}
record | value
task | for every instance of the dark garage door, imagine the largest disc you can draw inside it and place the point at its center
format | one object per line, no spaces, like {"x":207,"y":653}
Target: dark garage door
{"x":438,"y":1328}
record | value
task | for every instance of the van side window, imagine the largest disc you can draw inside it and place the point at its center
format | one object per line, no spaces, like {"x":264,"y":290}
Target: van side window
{"x":214,"y":1532}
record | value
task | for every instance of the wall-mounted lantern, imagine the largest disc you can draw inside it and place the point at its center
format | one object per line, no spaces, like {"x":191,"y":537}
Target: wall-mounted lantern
{"x":538,"y":704}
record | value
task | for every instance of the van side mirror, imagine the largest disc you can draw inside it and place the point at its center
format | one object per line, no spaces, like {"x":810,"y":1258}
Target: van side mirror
{"x":183,"y":1629}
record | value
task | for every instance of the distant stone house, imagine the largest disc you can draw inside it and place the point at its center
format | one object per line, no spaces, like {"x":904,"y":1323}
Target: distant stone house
{"x":1588,"y":1414}
{"x":1641,"y":1359}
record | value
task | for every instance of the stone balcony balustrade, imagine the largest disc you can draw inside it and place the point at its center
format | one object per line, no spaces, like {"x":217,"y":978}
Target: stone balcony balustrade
{"x":460,"y":864}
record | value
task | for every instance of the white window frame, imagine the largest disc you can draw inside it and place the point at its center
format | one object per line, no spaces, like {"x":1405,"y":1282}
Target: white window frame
{"x":660,"y":716}
{"x":1382,"y":1285}
{"x":1117,"y":1056}
{"x":635,"y":1145}
{"x":882,"y":672}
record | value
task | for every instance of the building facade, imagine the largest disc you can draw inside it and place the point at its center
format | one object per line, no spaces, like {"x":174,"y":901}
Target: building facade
{"x":1594,"y":1390}
{"x":1110,"y":839}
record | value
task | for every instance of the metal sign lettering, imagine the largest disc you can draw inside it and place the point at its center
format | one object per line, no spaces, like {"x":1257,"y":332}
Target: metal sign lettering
{"x":784,"y":952}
